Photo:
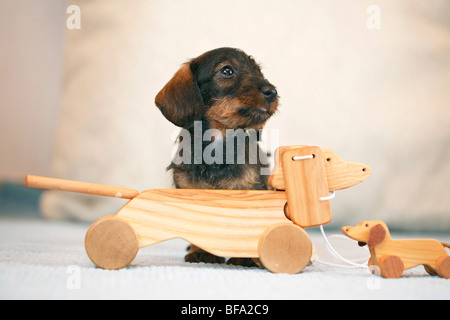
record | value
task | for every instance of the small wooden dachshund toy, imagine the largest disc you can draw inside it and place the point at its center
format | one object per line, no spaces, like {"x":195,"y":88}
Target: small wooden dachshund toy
{"x":394,"y":256}
{"x":267,"y":225}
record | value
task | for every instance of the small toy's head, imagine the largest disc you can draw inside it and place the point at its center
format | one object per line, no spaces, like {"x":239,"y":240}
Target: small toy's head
{"x":371,"y":232}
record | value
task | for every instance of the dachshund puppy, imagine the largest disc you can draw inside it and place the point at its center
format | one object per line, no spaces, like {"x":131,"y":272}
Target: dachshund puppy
{"x":222,"y":89}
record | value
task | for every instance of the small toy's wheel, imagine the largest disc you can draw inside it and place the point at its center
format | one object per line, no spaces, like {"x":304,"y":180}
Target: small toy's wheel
{"x":391,"y":267}
{"x":443,"y":267}
{"x":285,"y":248}
{"x":111,"y":243}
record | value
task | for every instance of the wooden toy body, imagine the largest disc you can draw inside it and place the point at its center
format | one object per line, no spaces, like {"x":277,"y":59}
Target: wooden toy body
{"x":413,"y":252}
{"x":226,"y":223}
{"x":392,"y":257}
{"x":264,"y":224}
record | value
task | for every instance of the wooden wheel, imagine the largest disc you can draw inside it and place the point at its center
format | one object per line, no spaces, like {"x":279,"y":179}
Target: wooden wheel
{"x":443,"y":267}
{"x":285,"y":248}
{"x":391,"y":267}
{"x":111,"y":243}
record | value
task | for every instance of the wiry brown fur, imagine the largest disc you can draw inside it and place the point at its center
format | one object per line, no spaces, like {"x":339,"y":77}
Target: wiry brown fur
{"x":224,"y":89}
{"x":247,"y":181}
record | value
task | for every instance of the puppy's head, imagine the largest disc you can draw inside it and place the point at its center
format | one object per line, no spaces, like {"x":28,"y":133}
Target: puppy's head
{"x":224,"y":86}
{"x":371,"y":233}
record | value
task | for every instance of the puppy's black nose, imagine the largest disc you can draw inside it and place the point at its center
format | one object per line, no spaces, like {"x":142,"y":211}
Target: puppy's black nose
{"x":269,"y":93}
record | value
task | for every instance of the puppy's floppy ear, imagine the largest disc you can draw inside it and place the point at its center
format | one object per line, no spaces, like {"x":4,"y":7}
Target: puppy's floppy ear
{"x":376,"y":235}
{"x":180,"y":100}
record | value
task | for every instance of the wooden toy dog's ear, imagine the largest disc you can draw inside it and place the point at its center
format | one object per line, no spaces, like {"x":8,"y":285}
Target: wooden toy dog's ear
{"x":180,"y":100}
{"x":376,"y":235}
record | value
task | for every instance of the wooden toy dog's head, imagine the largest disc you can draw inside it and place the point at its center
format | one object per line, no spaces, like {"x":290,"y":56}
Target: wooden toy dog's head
{"x":340,"y":174}
{"x":308,"y":174}
{"x":370,"y":233}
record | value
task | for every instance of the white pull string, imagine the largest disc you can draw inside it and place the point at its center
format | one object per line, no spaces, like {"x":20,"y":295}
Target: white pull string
{"x":337,"y":255}
{"x":331,"y":196}
{"x":296,"y":158}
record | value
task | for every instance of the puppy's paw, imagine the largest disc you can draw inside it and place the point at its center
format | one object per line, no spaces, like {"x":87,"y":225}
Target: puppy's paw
{"x":244,"y":262}
{"x":203,"y":256}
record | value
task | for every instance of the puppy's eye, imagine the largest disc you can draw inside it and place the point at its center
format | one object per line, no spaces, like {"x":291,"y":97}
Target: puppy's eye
{"x":227,"y":71}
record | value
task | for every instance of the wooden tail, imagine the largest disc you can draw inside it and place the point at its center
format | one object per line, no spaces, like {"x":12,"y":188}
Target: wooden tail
{"x":445,"y":244}
{"x":80,"y":187}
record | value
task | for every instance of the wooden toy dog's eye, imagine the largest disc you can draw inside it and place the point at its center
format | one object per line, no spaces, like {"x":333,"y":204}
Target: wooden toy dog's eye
{"x":367,"y":225}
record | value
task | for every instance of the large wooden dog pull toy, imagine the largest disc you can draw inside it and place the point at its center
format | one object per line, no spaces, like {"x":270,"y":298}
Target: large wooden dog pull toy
{"x":264,"y":224}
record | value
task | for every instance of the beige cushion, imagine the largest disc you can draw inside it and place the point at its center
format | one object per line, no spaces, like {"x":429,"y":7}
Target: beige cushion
{"x":374,"y":96}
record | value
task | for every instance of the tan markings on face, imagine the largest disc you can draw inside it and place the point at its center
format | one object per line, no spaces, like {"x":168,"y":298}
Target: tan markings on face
{"x":224,"y":114}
